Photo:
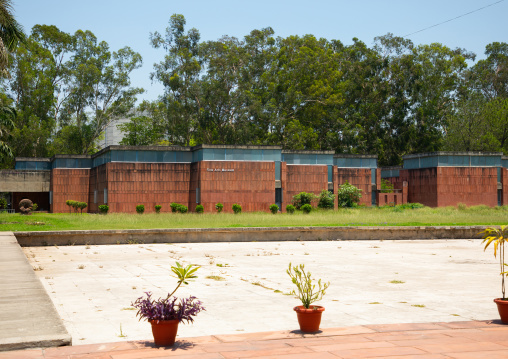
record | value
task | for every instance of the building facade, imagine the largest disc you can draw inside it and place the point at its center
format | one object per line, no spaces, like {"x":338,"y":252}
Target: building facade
{"x":253,"y":176}
{"x":122,"y":177}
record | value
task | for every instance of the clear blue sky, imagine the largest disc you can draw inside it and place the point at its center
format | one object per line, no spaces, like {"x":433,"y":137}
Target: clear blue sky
{"x":129,"y":23}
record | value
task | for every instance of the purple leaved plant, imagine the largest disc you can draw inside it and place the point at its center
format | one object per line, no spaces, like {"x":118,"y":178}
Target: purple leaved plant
{"x":169,"y":308}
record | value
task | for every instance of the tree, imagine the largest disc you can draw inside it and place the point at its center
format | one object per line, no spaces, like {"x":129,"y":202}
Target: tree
{"x":11,"y":33}
{"x":99,"y":92}
{"x":179,"y":73}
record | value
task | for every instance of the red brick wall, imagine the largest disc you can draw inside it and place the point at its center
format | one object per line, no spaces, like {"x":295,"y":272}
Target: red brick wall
{"x":422,"y":185}
{"x":504,"y":181}
{"x":394,"y":198}
{"x":98,"y":182}
{"x":249,"y":184}
{"x":69,"y":183}
{"x":468,"y":185}
{"x":358,"y":177}
{"x":130,"y":184}
{"x":304,"y":178}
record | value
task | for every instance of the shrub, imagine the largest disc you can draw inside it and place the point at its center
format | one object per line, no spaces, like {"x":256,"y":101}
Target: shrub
{"x":71,"y":204}
{"x":182,"y":209}
{"x":3,"y":203}
{"x":158,"y":208}
{"x":461,"y":206}
{"x":237,"y":208}
{"x":174,"y":207}
{"x":306,"y":208}
{"x":348,"y":195}
{"x":81,"y":206}
{"x":326,"y":199}
{"x":274,"y":208}
{"x":219,"y":206}
{"x":140,"y":208}
{"x":290,"y":209}
{"x":200,"y":208}
{"x":303,"y":198}
{"x":386,"y":186}
{"x":103,"y":209}
{"x":34,"y":208}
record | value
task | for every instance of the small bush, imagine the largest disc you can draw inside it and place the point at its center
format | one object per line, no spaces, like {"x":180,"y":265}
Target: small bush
{"x":3,"y":203}
{"x":461,"y":206}
{"x":386,"y":186}
{"x":140,"y":208}
{"x":34,"y":208}
{"x":326,"y":199}
{"x":71,"y":204}
{"x":200,"y":208}
{"x":303,"y":198}
{"x":103,"y":209}
{"x":348,"y":195}
{"x":158,"y":208}
{"x":219,"y":206}
{"x":174,"y":207}
{"x":290,"y":209}
{"x":237,"y":208}
{"x":306,"y":208}
{"x":274,"y":208}
{"x":182,"y":209}
{"x":81,"y":206}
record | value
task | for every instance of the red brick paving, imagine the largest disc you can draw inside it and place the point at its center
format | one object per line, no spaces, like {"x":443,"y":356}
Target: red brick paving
{"x":476,"y":339}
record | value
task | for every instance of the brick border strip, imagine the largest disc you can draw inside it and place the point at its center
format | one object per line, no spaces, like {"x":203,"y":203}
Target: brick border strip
{"x":246,"y":234}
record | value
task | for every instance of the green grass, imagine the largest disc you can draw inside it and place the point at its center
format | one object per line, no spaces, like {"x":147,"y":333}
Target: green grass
{"x":479,"y":215}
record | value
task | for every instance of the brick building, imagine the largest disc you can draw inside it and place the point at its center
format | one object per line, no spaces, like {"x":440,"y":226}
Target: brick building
{"x":123,"y":177}
{"x":252,"y":176}
{"x":440,"y":179}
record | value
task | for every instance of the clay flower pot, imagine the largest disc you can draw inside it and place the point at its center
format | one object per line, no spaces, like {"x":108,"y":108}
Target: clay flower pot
{"x":309,"y":319}
{"x":164,"y":332}
{"x":502,"y":308}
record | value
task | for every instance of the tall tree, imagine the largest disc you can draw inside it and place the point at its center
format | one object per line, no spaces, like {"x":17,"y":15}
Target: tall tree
{"x":11,"y":33}
{"x":179,"y":72}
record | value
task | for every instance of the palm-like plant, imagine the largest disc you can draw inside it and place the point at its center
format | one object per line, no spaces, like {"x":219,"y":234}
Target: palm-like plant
{"x":11,"y":33}
{"x":7,"y":116}
{"x":498,"y":237}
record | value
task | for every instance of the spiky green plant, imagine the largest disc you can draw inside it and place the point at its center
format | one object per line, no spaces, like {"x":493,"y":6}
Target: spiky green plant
{"x":307,"y":291}
{"x":498,"y":237}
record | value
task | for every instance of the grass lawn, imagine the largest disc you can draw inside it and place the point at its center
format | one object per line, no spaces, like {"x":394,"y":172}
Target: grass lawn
{"x":476,"y":215}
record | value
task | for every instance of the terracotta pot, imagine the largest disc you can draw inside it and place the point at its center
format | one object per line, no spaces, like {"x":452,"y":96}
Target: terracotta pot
{"x":164,"y":332}
{"x":502,"y":308}
{"x":309,"y":319}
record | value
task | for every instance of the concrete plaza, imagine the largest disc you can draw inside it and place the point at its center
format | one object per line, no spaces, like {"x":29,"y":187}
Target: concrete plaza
{"x":244,"y":285}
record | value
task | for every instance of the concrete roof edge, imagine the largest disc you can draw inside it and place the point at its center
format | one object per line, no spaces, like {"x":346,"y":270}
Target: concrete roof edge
{"x":451,"y":153}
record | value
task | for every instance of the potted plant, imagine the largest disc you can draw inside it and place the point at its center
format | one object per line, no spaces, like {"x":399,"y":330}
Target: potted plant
{"x":309,"y":316}
{"x":497,"y":236}
{"x":164,"y":314}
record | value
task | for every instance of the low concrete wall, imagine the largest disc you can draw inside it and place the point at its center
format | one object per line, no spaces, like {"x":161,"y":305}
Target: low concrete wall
{"x":24,"y":181}
{"x":193,"y":235}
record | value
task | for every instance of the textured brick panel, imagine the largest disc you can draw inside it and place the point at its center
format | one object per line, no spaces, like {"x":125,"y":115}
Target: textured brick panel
{"x":249,"y":184}
{"x":422,"y":185}
{"x":304,"y":178}
{"x":468,"y":185}
{"x":69,"y":184}
{"x":358,"y":177}
{"x":130,"y":184}
{"x":504,"y":181}
{"x":448,"y":186}
{"x":389,"y":198}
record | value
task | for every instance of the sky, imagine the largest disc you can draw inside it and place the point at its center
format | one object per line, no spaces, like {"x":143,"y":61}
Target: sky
{"x":129,"y":23}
